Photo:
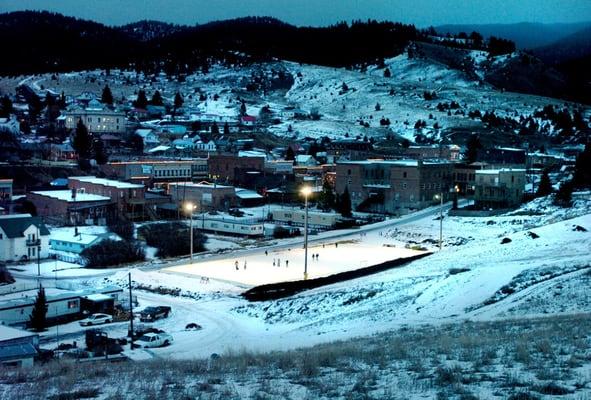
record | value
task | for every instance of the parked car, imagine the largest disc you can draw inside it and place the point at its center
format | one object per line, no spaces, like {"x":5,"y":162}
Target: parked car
{"x":150,"y":314}
{"x":97,"y":319}
{"x":150,"y":340}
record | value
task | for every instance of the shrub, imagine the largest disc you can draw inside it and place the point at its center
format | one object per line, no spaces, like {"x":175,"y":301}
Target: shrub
{"x":109,"y":253}
{"x":122,"y":227}
{"x":172,"y":238}
{"x":5,"y":276}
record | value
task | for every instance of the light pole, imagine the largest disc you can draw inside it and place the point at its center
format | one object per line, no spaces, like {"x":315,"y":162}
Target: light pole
{"x":190,"y":207}
{"x":440,"y":198}
{"x":306,"y":191}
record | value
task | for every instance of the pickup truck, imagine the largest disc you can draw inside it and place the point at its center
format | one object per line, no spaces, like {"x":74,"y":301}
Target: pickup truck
{"x":150,"y":340}
{"x":150,"y":314}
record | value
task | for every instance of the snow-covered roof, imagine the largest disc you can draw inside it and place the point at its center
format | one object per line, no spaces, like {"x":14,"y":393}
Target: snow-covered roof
{"x":98,"y":297}
{"x":8,"y":333}
{"x":107,"y":182}
{"x":199,"y":185}
{"x":65,"y":236}
{"x":251,"y":153}
{"x":158,"y":148}
{"x":66,"y":195}
{"x":247,"y":194}
{"x":497,"y":171}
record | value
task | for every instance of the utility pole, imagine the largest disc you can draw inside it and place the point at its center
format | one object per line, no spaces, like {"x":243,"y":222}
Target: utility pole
{"x":130,"y":311}
{"x":441,"y":220}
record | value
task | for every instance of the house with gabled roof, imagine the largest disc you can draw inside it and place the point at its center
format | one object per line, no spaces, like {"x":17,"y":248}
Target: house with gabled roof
{"x":23,"y":237}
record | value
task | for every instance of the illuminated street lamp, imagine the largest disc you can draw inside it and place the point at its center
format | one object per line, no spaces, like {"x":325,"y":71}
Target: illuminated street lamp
{"x":190,"y":207}
{"x":440,"y":198}
{"x":306,"y":191}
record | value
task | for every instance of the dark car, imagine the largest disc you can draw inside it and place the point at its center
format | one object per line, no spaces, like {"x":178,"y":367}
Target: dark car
{"x":150,"y":314}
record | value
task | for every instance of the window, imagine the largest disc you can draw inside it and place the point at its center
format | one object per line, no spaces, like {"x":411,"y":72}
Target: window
{"x":404,"y":186}
{"x":1,"y":237}
{"x":404,"y":174}
{"x":72,"y":304}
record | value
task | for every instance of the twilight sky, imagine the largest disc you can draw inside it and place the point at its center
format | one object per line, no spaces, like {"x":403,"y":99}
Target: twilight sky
{"x":422,"y":13}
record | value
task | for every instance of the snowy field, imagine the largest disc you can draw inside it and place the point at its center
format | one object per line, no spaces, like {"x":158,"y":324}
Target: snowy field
{"x":281,"y":265}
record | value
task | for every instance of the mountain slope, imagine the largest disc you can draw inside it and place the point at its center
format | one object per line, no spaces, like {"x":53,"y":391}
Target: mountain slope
{"x":526,"y":35}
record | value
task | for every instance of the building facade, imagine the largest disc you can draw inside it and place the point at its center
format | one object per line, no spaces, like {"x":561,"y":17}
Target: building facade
{"x":393,"y":186}
{"x":204,"y":196}
{"x":232,"y":168}
{"x":499,"y":188}
{"x":23,"y":237}
{"x":97,"y":119}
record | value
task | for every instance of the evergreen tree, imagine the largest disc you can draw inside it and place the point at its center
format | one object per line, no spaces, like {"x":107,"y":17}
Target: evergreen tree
{"x":136,"y":142}
{"x":82,"y":141}
{"x":243,"y":108}
{"x":327,"y":197}
{"x":107,"y":96}
{"x":215,"y":129}
{"x":38,"y":316}
{"x":142,"y":100}
{"x":178,"y":101}
{"x":472,"y":146}
{"x":545,"y":187}
{"x":289,"y":154}
{"x":582,"y":176}
{"x":345,"y":203}
{"x":387,"y":73}
{"x":157,"y":99}
{"x":99,"y":152}
{"x":226,"y":129}
{"x":563,"y":197}
{"x":5,"y":107}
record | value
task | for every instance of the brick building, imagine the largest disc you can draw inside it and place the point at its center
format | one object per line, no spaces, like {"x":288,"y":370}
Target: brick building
{"x":499,"y":188}
{"x":158,"y":171}
{"x":234,"y":169}
{"x":393,"y":186}
{"x":205,"y":196}
{"x":70,"y":207}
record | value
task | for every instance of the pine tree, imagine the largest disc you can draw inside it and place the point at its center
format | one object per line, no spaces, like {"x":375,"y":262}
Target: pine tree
{"x":289,"y":154}
{"x":107,"y":96}
{"x":226,"y":129}
{"x":82,"y":141}
{"x":582,"y":176}
{"x":99,"y":153}
{"x":5,"y":107}
{"x":243,"y":108}
{"x":387,"y":73}
{"x":327,"y":198}
{"x":142,"y":100}
{"x":38,"y":315}
{"x":545,"y":187}
{"x":472,"y":147}
{"x":178,"y":100}
{"x":156,"y":99}
{"x":345,"y":203}
{"x":564,"y":195}
{"x":215,"y":129}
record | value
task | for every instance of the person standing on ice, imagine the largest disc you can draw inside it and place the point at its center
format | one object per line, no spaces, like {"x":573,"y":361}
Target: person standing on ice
{"x":244,"y":264}
{"x":273,"y":262}
{"x":286,"y":263}
{"x":279,"y":262}
{"x":236,"y":265}
{"x":266,"y":253}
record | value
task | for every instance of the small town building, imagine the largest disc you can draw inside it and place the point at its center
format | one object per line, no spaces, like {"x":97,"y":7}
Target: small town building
{"x":18,"y":348}
{"x":204,"y":195}
{"x":97,"y":118}
{"x":393,"y":186}
{"x":62,"y":305}
{"x":499,"y":188}
{"x":297,"y":216}
{"x":71,"y":206}
{"x":23,"y":237}
{"x":232,"y":168}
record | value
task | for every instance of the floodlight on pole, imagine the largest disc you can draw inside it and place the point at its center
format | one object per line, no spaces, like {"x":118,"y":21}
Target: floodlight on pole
{"x":190,"y":207}
{"x":306,"y":191}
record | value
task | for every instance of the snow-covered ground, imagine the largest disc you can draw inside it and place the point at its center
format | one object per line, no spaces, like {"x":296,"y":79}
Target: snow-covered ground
{"x":473,"y":277}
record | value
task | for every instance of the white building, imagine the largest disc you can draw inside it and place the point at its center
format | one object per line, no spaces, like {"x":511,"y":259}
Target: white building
{"x":23,"y":237}
{"x":149,"y":137}
{"x":97,"y":118}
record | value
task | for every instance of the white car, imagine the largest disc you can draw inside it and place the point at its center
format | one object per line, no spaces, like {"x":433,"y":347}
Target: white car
{"x":97,"y":319}
{"x":154,"y":340}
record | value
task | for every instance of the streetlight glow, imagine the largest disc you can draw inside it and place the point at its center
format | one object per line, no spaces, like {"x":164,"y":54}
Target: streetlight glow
{"x":306,"y":191}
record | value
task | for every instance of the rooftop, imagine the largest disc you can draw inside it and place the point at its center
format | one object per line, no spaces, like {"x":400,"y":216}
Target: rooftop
{"x":8,"y":333}
{"x":107,"y":182}
{"x":66,"y":195}
{"x":82,"y":238}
